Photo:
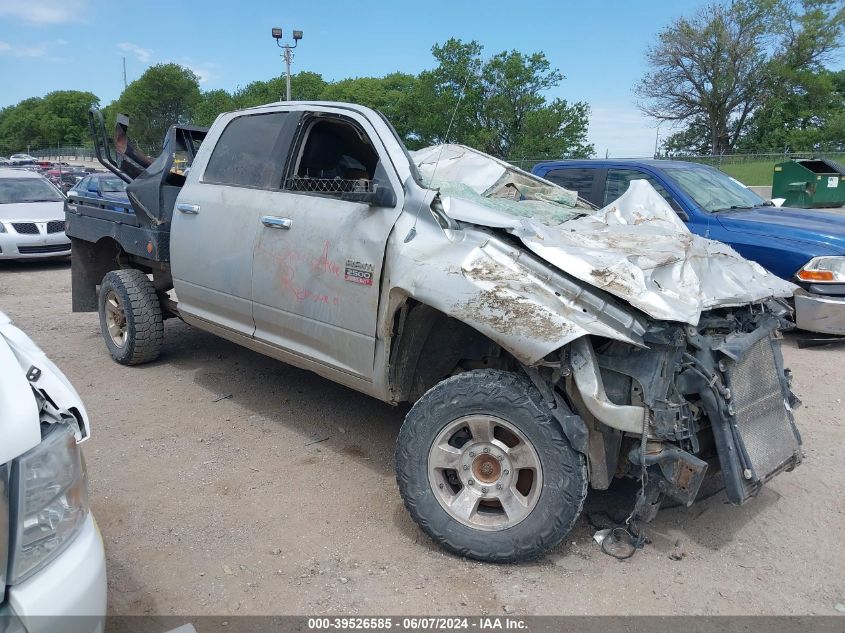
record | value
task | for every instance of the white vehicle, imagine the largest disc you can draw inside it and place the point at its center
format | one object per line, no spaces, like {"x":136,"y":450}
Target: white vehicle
{"x":52,"y":561}
{"x":32,"y":217}
{"x":22,"y":159}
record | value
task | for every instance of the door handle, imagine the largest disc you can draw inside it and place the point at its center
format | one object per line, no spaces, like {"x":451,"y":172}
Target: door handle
{"x":190,"y":209}
{"x":272,"y":222}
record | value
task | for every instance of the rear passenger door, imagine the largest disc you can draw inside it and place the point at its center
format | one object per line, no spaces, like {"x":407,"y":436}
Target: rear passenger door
{"x":214,"y":224}
{"x":580,"y":179}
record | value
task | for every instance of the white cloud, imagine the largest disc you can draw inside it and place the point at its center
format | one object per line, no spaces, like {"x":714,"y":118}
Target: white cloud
{"x":142,"y":54}
{"x":44,"y":11}
{"x":204,"y":74}
{"x":41,"y":49}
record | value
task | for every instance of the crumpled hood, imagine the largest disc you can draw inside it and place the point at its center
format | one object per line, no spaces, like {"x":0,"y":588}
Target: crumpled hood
{"x":20,"y":428}
{"x":635,"y":248}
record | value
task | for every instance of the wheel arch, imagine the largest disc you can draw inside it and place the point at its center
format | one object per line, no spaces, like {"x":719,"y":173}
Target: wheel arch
{"x":428,"y":345}
{"x":89,"y":263}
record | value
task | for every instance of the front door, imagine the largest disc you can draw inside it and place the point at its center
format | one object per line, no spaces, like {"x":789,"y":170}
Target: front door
{"x":318,"y":254}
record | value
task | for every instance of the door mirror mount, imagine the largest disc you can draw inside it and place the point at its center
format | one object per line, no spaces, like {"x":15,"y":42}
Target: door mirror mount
{"x":379,"y":195}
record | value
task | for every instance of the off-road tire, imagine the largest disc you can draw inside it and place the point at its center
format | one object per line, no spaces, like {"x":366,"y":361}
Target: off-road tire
{"x":142,"y":310}
{"x":513,"y":398}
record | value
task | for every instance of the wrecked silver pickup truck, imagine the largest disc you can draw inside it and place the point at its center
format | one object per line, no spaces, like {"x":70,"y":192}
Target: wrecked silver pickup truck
{"x":546,"y":346}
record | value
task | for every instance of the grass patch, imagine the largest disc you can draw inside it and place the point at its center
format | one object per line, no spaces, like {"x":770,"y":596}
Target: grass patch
{"x":751,"y":173}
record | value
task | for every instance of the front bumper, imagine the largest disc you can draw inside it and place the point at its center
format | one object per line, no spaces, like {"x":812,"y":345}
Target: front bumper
{"x":819,"y":313}
{"x":15,"y":245}
{"x":68,"y":595}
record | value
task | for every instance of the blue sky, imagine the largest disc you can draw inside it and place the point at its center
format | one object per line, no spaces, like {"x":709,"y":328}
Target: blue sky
{"x":50,"y":45}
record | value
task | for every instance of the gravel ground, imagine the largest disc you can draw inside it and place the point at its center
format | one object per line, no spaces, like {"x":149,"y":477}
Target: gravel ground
{"x":280,"y":497}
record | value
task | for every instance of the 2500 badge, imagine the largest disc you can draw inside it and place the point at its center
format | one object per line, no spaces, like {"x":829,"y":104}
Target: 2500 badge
{"x":359,"y":272}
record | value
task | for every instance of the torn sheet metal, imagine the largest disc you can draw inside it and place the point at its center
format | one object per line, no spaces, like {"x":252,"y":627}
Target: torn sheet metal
{"x":636,"y":248}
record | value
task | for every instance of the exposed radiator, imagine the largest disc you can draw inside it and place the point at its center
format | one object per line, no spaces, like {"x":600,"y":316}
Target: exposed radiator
{"x":763,"y":426}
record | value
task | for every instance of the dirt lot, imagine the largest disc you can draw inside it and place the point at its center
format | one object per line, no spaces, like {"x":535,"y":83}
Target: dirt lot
{"x":235,"y":505}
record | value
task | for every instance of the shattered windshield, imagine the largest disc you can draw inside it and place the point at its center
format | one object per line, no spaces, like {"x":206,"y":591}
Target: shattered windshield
{"x":714,"y":190}
{"x":462,"y":172}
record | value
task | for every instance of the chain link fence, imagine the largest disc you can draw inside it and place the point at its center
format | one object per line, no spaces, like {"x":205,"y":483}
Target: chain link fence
{"x":751,"y":168}
{"x":50,"y":152}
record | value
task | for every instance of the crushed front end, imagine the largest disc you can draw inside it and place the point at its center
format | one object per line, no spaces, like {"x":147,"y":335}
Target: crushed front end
{"x":715,"y":397}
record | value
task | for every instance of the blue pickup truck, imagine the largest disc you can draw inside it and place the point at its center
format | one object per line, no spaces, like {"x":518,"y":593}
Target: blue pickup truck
{"x":806,"y":247}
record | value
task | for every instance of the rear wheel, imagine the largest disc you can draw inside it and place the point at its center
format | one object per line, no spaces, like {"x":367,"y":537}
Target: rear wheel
{"x":130,"y":317}
{"x":485,"y":469}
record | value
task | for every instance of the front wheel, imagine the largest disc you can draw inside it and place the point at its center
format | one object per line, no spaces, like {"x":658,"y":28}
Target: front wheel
{"x":130,"y":317}
{"x":486,"y":471}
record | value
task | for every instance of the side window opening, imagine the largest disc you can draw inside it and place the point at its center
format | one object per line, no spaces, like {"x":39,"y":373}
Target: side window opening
{"x":618,"y":180}
{"x":575,"y":179}
{"x":337,"y":157}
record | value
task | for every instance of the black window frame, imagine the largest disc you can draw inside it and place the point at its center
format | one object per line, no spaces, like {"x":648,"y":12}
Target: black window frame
{"x":643,"y":175}
{"x":297,"y":148}
{"x":595,"y":173}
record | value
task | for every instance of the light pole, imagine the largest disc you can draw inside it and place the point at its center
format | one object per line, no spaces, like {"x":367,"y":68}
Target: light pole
{"x":277,"y":35}
{"x":657,"y":139}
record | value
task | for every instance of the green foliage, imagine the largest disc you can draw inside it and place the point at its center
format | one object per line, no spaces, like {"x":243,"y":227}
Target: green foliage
{"x":304,"y":86}
{"x":164,"y":95}
{"x":58,"y":118}
{"x":503,"y":111}
{"x":749,"y":75}
{"x":391,"y":95}
{"x":211,"y":104}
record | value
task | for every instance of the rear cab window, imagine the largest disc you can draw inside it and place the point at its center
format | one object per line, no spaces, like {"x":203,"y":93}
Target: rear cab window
{"x":250,"y":152}
{"x":578,"y":179}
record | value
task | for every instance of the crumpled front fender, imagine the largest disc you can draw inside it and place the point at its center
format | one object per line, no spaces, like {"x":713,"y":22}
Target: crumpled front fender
{"x":505,"y":293}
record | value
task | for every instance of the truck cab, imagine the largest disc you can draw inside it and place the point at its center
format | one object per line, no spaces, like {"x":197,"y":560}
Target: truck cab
{"x":544,"y":346}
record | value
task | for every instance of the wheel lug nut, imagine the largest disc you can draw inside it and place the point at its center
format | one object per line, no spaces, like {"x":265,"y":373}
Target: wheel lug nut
{"x":472,"y":453}
{"x":500,"y":457}
{"x":507,"y":472}
{"x":486,"y":450}
{"x":466,"y":467}
{"x":470,"y":482}
{"x":498,"y":486}
{"x":484,"y":490}
{"x":440,"y":486}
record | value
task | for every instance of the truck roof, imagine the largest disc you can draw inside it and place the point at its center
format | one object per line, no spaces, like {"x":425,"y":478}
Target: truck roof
{"x":606,"y":162}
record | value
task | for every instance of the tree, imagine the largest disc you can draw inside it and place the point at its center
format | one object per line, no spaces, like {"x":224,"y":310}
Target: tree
{"x":211,"y":104}
{"x":497,"y":105}
{"x":743,"y":72}
{"x":58,"y":118}
{"x":164,"y":95}
{"x":710,"y":68}
{"x":391,"y":95}
{"x":804,"y":115}
{"x":805,"y":100}
{"x":304,"y":86}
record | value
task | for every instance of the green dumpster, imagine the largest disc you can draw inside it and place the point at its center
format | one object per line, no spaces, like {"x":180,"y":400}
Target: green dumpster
{"x":809,"y":182}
